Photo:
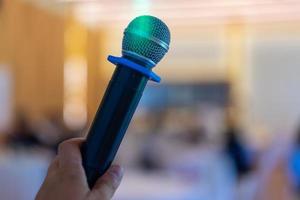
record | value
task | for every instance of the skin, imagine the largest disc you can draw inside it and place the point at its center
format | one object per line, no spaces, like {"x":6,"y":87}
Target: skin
{"x":66,"y":178}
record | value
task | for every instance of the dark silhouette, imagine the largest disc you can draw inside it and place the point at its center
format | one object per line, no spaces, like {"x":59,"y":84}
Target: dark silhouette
{"x":23,"y":135}
{"x":237,"y":151}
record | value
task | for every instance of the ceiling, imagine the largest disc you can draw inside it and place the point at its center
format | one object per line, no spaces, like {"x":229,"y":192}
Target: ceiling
{"x":184,"y":11}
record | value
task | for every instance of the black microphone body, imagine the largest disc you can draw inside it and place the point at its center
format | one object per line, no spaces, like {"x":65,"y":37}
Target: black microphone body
{"x":117,"y":107}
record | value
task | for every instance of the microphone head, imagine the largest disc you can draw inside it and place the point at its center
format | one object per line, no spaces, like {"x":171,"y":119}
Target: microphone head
{"x":146,"y":39}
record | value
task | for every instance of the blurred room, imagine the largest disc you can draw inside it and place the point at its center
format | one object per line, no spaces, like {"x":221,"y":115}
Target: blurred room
{"x":224,"y":123}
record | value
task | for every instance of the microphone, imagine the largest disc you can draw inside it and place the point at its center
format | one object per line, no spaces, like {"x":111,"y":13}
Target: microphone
{"x":145,"y":42}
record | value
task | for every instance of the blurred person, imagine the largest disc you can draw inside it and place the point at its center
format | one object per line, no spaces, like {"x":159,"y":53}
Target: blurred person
{"x":237,"y":151}
{"x":23,"y":135}
{"x":66,"y":177}
{"x":243,"y":161}
{"x":196,"y":136}
{"x":150,"y":157}
{"x":52,"y":131}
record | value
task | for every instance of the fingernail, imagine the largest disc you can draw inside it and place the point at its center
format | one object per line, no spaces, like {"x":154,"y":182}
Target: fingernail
{"x":117,"y":171}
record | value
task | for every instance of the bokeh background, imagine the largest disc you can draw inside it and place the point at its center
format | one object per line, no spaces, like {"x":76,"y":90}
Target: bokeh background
{"x":224,"y":124}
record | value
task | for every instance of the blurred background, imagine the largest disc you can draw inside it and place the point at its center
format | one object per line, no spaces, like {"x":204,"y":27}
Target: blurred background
{"x":224,"y":124}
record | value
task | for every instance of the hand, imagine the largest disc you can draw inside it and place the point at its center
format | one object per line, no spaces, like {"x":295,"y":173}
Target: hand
{"x":66,"y":179}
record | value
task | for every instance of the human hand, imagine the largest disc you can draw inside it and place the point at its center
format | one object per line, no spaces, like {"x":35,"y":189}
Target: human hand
{"x":66,"y":178}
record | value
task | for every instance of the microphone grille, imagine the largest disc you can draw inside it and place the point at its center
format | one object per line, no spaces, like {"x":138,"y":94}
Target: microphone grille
{"x":146,"y":38}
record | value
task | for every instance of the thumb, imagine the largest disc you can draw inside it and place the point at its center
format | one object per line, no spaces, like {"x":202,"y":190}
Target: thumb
{"x":106,"y":185}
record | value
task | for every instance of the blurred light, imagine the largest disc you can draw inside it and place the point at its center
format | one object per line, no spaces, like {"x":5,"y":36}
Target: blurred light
{"x":75,"y":86}
{"x":141,"y":7}
{"x":89,"y":13}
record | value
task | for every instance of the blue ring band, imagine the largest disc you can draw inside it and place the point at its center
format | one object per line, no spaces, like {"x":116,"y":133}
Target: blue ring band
{"x":127,"y":63}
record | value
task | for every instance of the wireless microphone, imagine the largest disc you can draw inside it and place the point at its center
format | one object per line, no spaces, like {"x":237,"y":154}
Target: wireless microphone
{"x":146,"y":40}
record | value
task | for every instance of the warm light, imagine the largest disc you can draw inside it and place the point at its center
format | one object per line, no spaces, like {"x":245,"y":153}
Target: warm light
{"x":75,"y":75}
{"x":75,"y":86}
{"x":89,"y":13}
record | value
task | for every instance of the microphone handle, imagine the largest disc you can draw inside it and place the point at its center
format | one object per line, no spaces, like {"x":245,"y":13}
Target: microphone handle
{"x":111,"y":121}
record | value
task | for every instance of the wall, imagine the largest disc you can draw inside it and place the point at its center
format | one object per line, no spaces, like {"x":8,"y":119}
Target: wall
{"x":32,"y":45}
{"x":274,"y":100}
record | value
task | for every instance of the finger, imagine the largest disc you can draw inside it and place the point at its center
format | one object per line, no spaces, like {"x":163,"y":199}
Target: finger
{"x":106,"y":185}
{"x":53,"y":165}
{"x":69,"y":154}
